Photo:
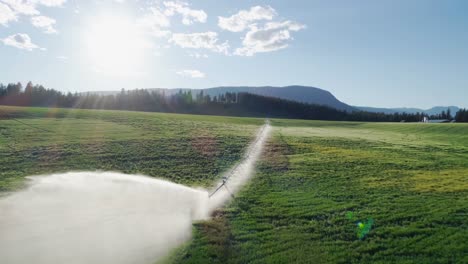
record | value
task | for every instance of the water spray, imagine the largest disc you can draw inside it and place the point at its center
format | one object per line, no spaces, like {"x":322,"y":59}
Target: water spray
{"x":246,"y":157}
{"x":106,"y":217}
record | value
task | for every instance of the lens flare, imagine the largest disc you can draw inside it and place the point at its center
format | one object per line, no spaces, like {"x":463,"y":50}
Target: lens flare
{"x":362,"y":227}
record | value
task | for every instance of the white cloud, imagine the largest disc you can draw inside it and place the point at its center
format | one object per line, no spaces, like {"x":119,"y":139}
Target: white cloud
{"x":191,"y":73}
{"x":10,"y":9}
{"x":6,"y":14}
{"x":244,"y":18}
{"x":197,"y":55}
{"x":189,"y":16}
{"x":155,"y":22}
{"x":20,"y":41}
{"x":50,"y":2}
{"x":44,"y":23}
{"x":273,"y":36}
{"x":204,"y":40}
{"x":24,"y":7}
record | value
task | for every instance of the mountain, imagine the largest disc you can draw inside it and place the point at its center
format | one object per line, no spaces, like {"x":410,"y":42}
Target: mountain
{"x":432,"y":111}
{"x":438,"y":109}
{"x":303,"y":94}
{"x":187,"y":102}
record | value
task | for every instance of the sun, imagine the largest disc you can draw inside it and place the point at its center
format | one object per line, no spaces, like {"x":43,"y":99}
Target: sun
{"x":114,"y":45}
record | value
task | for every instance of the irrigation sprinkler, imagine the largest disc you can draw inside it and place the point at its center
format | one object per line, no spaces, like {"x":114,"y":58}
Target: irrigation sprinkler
{"x":246,"y":157}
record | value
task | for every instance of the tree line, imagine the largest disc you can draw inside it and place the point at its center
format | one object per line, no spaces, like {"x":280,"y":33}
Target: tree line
{"x":229,"y":104}
{"x":462,"y":116}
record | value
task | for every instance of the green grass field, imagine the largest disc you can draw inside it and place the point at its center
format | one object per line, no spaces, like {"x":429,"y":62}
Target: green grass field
{"x":316,"y":180}
{"x":182,"y":148}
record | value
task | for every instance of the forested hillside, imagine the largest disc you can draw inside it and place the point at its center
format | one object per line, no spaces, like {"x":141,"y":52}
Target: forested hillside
{"x":302,"y":94}
{"x":228,"y":104}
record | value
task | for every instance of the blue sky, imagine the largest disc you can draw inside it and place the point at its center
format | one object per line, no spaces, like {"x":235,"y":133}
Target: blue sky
{"x":373,"y":53}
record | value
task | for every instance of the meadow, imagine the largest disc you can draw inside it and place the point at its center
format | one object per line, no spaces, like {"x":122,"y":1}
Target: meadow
{"x":324,"y":192}
{"x":185,"y":149}
{"x":346,"y":192}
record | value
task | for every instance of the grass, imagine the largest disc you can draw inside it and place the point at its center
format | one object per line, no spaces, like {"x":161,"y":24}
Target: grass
{"x":315,"y":183}
{"x":185,"y":149}
{"x":411,"y":180}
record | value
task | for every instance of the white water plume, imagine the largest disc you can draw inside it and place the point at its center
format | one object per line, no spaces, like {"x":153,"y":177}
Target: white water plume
{"x":241,"y":173}
{"x":106,"y":217}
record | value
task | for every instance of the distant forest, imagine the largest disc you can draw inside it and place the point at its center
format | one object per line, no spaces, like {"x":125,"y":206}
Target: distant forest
{"x":228,"y":104}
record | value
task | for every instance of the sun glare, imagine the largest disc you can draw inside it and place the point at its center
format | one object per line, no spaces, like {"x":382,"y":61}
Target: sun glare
{"x":114,"y":45}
